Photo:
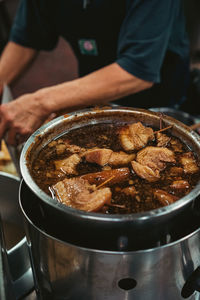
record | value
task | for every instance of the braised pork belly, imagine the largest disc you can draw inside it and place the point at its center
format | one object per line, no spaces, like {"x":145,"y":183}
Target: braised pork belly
{"x":164,"y":197}
{"x":107,"y":156}
{"x":155,"y":157}
{"x":162,"y":139}
{"x":78,"y":193}
{"x":116,"y":168}
{"x":68,"y":165}
{"x":189,"y":163}
{"x":135,"y":136}
{"x":145,"y":172}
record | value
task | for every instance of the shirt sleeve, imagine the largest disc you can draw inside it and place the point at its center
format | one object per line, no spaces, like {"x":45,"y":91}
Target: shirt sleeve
{"x":34,"y":26}
{"x":144,"y":37}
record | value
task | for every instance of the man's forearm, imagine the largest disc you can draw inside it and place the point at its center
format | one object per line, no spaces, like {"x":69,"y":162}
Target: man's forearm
{"x":100,"y":87}
{"x":14,"y":60}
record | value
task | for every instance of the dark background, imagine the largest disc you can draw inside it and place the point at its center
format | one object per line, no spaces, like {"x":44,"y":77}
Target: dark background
{"x":60,"y":64}
{"x":49,"y":67}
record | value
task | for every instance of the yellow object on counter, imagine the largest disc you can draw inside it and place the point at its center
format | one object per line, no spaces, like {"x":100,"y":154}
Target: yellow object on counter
{"x":4,"y":154}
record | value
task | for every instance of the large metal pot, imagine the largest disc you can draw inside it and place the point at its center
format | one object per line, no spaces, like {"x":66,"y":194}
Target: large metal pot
{"x":66,"y":271}
{"x":180,"y":115}
{"x":112,"y":232}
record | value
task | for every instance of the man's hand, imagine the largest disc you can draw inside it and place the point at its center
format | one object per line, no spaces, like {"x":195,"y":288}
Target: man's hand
{"x":13,"y":61}
{"x":20,"y":118}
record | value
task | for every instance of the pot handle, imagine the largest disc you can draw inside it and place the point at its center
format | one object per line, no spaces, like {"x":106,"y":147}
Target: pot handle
{"x":6,"y":288}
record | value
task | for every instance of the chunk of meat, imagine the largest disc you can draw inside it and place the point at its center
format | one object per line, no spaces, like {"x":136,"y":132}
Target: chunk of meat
{"x":135,"y":136}
{"x":176,"y":171}
{"x":106,"y":168}
{"x":79,"y":194}
{"x":120,"y":158}
{"x":68,"y":165}
{"x":55,"y":174}
{"x":73,"y":148}
{"x":180,"y":184}
{"x":176,"y":145}
{"x":126,"y":139}
{"x":129,"y":191}
{"x":145,"y":172}
{"x":107,"y":156}
{"x":144,"y":133}
{"x":163,"y":197}
{"x":151,"y":160}
{"x":117,"y":175}
{"x":155,"y":157}
{"x":98,"y":156}
{"x":162,"y":139}
{"x":52,"y":144}
{"x":189,"y":163}
{"x":60,"y":148}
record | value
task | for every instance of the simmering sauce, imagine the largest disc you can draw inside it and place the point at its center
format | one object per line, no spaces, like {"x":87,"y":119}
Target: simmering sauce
{"x":162,"y":179}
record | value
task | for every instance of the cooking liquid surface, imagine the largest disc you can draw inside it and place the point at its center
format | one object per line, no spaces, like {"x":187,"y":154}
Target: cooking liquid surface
{"x":106,"y":136}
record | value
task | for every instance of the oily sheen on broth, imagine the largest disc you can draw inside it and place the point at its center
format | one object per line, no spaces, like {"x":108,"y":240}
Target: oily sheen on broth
{"x":116,"y":168}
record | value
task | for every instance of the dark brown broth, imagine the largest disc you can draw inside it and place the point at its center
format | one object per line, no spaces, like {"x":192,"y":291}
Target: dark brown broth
{"x":106,"y":136}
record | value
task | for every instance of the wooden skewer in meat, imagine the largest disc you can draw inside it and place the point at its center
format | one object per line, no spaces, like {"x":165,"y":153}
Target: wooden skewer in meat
{"x":163,"y":129}
{"x":116,"y":205}
{"x":105,"y":182}
{"x":136,"y":136}
{"x":78,"y":193}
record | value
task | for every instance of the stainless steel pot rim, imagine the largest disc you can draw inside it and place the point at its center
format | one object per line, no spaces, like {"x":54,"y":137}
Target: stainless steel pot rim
{"x":171,"y":244}
{"x":173,"y":111}
{"x":97,"y":216}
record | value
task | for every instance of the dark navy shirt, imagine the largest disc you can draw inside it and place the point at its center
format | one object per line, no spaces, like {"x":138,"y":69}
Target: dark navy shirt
{"x":136,"y":34}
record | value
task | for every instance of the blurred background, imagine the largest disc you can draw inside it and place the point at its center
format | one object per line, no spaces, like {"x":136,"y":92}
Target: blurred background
{"x":61,"y":65}
{"x":49,"y":68}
